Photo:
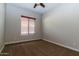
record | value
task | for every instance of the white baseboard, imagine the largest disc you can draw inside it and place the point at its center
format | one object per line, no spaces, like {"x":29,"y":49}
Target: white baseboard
{"x":43,"y":39}
{"x":2,"y":48}
{"x":63,"y":45}
{"x":18,"y":41}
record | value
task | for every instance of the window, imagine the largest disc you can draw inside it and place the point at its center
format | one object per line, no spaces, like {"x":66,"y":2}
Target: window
{"x":31,"y":26}
{"x":27,"y":25}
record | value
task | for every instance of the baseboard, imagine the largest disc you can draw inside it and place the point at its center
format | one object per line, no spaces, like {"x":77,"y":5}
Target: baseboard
{"x":12,"y":42}
{"x":2,"y":48}
{"x":63,"y":45}
{"x":43,"y":39}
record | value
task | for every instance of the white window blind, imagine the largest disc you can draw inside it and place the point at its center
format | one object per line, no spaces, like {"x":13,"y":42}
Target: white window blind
{"x":27,"y":25}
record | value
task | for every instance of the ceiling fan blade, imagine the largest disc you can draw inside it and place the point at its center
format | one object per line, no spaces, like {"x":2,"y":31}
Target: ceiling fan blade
{"x":35,"y":5}
{"x":42,"y":5}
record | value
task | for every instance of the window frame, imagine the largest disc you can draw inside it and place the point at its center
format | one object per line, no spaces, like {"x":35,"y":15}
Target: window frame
{"x":32,"y":18}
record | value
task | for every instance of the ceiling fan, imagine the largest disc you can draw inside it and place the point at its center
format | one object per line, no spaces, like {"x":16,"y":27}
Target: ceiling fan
{"x":39,"y":4}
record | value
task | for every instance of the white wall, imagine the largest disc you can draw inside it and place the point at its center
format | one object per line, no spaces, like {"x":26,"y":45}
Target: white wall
{"x":61,"y":25}
{"x":2,"y":12}
{"x":13,"y":24}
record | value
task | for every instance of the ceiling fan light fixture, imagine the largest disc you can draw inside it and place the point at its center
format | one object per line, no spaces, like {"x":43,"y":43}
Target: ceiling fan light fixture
{"x":39,"y":4}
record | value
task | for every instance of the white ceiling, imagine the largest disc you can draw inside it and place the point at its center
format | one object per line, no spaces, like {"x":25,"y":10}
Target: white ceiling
{"x":38,"y":9}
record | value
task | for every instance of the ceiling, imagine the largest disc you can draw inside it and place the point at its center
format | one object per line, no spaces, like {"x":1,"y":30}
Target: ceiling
{"x":38,"y":9}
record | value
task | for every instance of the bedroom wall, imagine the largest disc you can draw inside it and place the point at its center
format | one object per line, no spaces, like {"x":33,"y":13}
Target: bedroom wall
{"x":2,"y":20}
{"x":61,"y":25}
{"x":13,"y":24}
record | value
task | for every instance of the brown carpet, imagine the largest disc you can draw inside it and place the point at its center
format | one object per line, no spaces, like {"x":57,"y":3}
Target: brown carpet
{"x":38,"y":48}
